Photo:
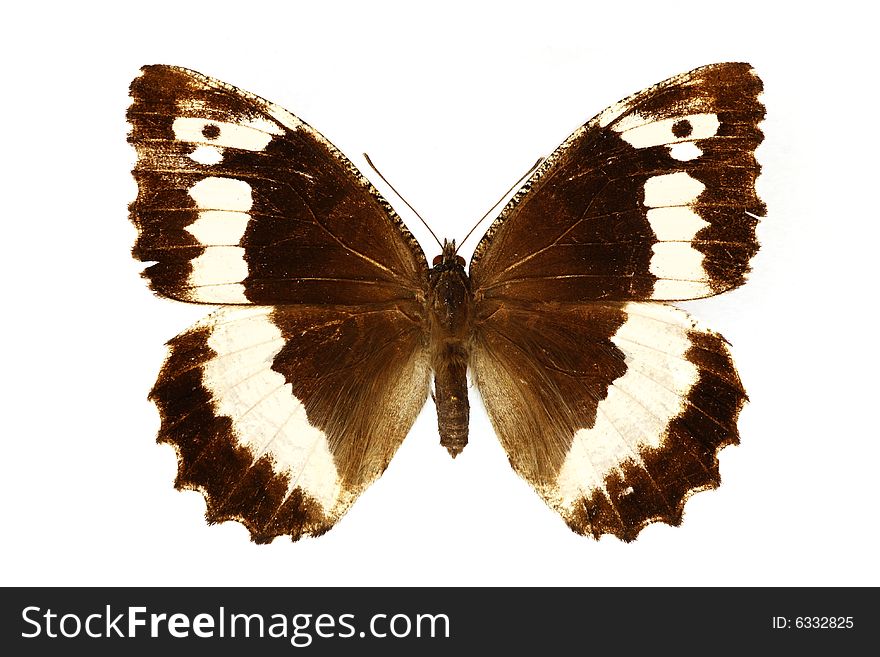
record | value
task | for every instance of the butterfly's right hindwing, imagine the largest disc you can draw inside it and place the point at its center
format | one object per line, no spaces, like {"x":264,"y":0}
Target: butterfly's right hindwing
{"x":614,"y":412}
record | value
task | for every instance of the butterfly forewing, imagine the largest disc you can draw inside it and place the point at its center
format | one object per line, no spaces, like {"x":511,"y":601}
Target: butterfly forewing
{"x":652,"y":199}
{"x":239,"y":201}
{"x":612,"y":405}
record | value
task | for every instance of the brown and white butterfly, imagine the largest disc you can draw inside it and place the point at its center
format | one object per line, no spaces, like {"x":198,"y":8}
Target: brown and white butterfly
{"x":285,"y":404}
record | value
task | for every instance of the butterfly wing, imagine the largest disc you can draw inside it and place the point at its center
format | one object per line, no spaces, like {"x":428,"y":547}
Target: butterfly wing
{"x":652,"y":199}
{"x":241,"y":202}
{"x":614,"y":412}
{"x":287,"y":403}
{"x":283,"y":415}
{"x":611,"y":405}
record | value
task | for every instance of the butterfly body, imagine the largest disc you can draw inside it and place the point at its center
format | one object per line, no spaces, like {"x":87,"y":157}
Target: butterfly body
{"x":292,"y":398}
{"x":450,"y":305}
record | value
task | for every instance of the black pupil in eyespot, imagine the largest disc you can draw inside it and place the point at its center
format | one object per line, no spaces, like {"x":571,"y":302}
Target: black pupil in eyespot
{"x":211,"y":131}
{"x":682,"y":128}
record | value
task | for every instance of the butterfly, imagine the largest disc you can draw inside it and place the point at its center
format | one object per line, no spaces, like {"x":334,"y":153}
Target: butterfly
{"x":292,"y":398}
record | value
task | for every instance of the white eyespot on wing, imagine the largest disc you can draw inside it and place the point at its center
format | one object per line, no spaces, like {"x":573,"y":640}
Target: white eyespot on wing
{"x":685,"y":151}
{"x":249,"y":135}
{"x":640,"y":405}
{"x":640,"y":132}
{"x":207,"y":155}
{"x":672,"y":189}
{"x":266,"y":417}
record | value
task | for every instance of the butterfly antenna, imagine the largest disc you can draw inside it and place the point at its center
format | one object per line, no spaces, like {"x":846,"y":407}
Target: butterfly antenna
{"x":498,"y":202}
{"x":400,"y":196}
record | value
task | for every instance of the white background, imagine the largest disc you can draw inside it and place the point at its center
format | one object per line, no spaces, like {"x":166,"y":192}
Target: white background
{"x":453,"y":103}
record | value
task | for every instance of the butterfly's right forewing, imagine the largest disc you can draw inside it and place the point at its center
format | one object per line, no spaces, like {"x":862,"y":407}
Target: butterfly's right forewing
{"x":653,"y":199}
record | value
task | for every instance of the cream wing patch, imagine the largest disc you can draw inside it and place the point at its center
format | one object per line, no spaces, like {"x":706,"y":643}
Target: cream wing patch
{"x":219,"y":227}
{"x":644,"y":132}
{"x":217,"y":274}
{"x":685,"y":151}
{"x":250,"y":134}
{"x":672,"y":189}
{"x":207,"y":155}
{"x":266,"y":417}
{"x":218,"y":193}
{"x":671,"y":200}
{"x":675,"y":224}
{"x":640,"y":404}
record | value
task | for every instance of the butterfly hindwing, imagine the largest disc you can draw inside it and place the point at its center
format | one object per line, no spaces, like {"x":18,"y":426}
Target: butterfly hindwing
{"x":271,"y":435}
{"x":240,"y":202}
{"x":652,"y":199}
{"x":614,"y":412}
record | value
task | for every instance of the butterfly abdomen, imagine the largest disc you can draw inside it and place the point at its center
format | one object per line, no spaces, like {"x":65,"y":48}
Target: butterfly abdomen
{"x":450,"y":396}
{"x":450,"y":312}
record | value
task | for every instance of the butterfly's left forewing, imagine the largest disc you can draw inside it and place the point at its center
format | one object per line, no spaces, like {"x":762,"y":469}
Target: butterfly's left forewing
{"x":241,"y":202}
{"x":287,"y":403}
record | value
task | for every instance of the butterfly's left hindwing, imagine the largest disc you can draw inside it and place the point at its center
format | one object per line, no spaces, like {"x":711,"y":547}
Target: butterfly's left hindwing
{"x":241,"y":202}
{"x":282,"y":416}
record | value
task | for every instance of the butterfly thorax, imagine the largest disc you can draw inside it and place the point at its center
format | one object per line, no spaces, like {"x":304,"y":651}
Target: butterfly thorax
{"x":450,"y":318}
